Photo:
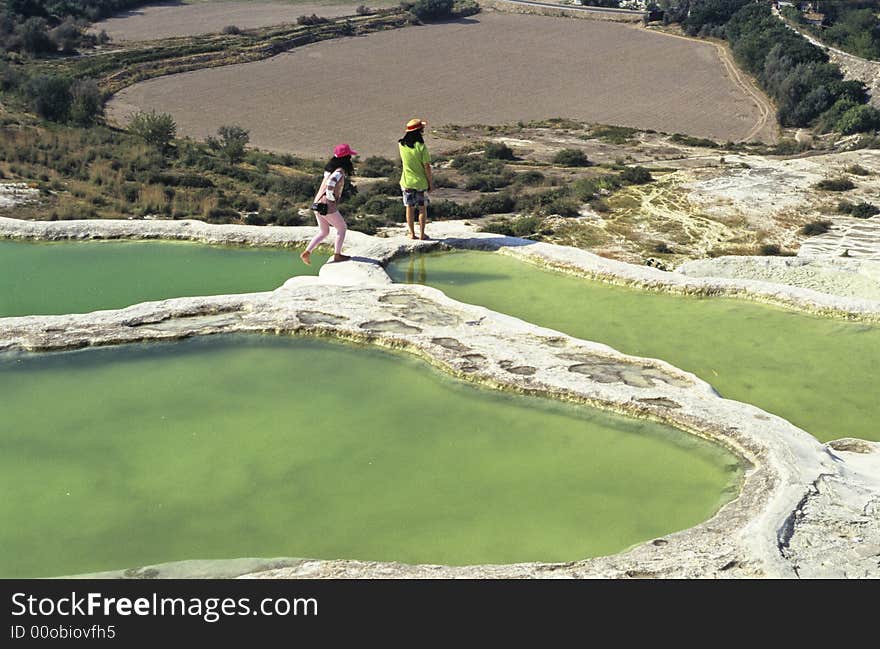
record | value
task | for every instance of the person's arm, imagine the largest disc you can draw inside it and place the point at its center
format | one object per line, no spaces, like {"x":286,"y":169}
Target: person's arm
{"x":430,"y":176}
{"x":330,"y":191}
{"x":426,"y":161}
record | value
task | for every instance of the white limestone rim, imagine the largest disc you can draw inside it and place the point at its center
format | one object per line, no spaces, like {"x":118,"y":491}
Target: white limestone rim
{"x":745,"y":537}
{"x":582,"y":263}
{"x":455,"y":234}
{"x":856,"y":277}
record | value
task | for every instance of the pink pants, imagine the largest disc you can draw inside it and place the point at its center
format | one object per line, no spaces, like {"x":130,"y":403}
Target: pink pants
{"x":324,"y":222}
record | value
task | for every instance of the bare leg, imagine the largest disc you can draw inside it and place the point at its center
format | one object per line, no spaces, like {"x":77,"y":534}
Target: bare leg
{"x":410,"y":220}
{"x":323,"y":231}
{"x":338,"y":223}
{"x":423,"y":218}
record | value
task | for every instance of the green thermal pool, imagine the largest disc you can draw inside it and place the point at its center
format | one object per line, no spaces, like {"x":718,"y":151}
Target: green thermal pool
{"x":257,"y":446}
{"x":82,"y":276}
{"x":819,"y":373}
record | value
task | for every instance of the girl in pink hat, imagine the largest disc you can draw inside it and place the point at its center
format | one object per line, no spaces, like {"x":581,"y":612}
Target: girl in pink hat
{"x":327,"y":199}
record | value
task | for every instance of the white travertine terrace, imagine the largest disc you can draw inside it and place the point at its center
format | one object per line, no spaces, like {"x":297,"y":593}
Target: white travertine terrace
{"x":805,"y":508}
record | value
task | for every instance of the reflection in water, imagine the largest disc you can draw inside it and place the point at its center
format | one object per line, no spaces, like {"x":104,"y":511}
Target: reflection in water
{"x":415,"y":271}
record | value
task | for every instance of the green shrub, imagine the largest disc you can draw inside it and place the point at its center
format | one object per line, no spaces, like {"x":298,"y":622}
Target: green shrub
{"x":864,"y":210}
{"x":563,"y":207}
{"x":66,"y":37}
{"x":498,"y":151}
{"x":432,"y":9}
{"x":788,"y":146}
{"x":178,"y":180}
{"x":636,"y":175}
{"x":488,"y":183}
{"x":222,"y":215}
{"x":614,"y":134}
{"x":87,"y":102}
{"x":156,"y":129}
{"x":815,"y":227}
{"x":538,"y":201}
{"x":861,"y":210}
{"x":10,"y":76}
{"x":828,"y":121}
{"x":34,"y":36}
{"x":50,"y":96}
{"x":390,"y":208}
{"x":451,"y":210}
{"x":442,"y":180}
{"x":571,"y":158}
{"x":314,"y":19}
{"x":770,"y":249}
{"x":840,"y":184}
{"x":468,"y":164}
{"x":494,"y":204}
{"x":857,"y":170}
{"x":296,"y":188}
{"x":585,"y":189}
{"x":231,"y":30}
{"x":464,"y":8}
{"x":367,"y":224}
{"x":859,"y":119}
{"x":523,"y":226}
{"x":529,"y":178}
{"x":385,"y":188}
{"x":687,"y":140}
{"x":231,"y":142}
{"x":287,"y":217}
{"x":600,"y":205}
{"x":376,"y":167}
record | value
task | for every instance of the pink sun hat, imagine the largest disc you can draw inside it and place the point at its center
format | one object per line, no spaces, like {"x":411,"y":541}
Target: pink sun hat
{"x":342,"y":150}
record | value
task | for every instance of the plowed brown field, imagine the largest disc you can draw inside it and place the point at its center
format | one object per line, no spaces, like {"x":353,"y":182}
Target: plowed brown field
{"x":165,"y":20}
{"x":490,"y":69}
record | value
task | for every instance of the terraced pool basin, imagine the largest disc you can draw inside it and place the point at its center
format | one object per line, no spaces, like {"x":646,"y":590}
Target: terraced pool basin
{"x":258,"y":446}
{"x":818,"y":373}
{"x":82,"y":276}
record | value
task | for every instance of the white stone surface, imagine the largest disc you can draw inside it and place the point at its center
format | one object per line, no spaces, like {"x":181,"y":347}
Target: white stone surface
{"x":857,"y":278}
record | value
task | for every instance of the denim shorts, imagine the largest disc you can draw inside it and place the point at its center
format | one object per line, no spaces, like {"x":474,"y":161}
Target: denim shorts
{"x":415,"y":197}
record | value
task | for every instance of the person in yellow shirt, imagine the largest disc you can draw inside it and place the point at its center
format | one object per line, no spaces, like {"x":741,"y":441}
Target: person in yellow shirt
{"x":416,"y":179}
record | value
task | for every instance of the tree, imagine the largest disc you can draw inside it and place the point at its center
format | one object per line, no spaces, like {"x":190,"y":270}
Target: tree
{"x":711,"y":13}
{"x":35,"y":37}
{"x":231,"y":142}
{"x":156,"y":129}
{"x":87,"y":102}
{"x":50,"y":96}
{"x":859,"y":119}
{"x":432,"y":9}
{"x":66,"y":37}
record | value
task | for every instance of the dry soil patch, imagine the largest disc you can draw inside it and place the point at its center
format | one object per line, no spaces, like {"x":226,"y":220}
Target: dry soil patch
{"x":170,"y":19}
{"x":492,"y":68}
